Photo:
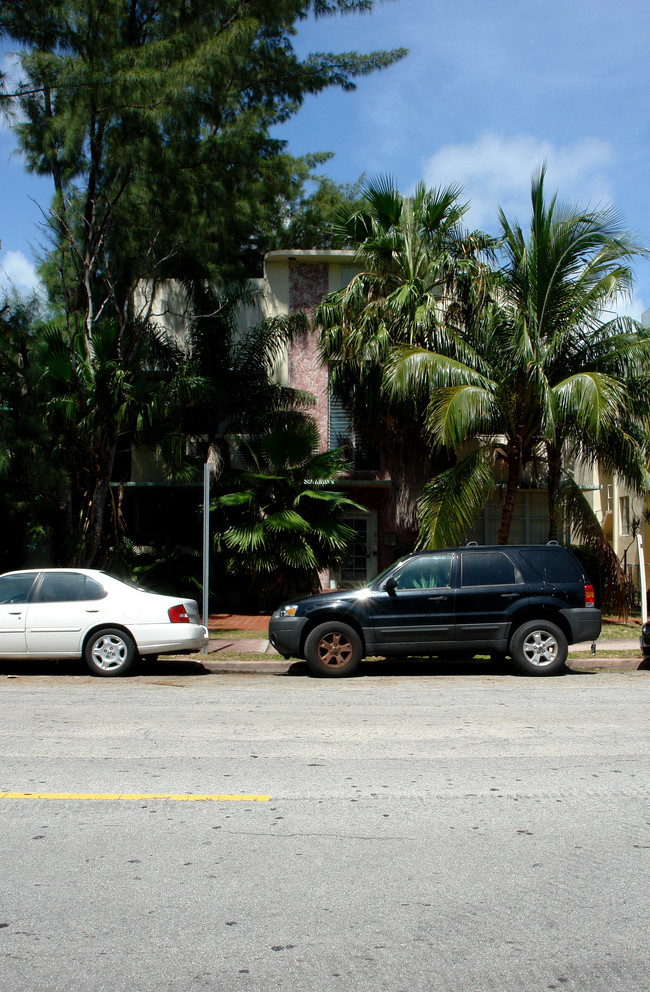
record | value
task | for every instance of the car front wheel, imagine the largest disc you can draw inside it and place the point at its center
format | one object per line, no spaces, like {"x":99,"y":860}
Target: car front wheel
{"x":539,"y":648}
{"x":110,"y":652}
{"x":333,"y":649}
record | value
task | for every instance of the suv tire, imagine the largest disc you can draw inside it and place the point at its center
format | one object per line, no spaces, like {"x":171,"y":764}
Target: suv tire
{"x":333,"y":649}
{"x":538,"y":648}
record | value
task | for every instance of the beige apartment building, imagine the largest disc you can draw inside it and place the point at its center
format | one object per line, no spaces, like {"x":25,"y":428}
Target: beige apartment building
{"x":298,"y":280}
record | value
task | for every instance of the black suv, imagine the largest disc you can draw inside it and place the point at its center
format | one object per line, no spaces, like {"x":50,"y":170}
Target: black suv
{"x":529,"y":602}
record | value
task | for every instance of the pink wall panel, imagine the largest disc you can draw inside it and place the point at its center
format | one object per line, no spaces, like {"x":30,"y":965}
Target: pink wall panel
{"x":307,"y":286}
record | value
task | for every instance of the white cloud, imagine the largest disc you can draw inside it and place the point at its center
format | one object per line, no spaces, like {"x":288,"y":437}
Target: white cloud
{"x":495,"y":171}
{"x":18,"y":271}
{"x":633,"y":306}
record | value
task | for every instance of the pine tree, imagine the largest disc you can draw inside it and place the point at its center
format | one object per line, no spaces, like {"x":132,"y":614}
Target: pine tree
{"x":154,"y":121}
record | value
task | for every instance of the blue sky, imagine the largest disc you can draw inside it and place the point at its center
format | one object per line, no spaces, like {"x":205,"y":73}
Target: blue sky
{"x":488,"y":92}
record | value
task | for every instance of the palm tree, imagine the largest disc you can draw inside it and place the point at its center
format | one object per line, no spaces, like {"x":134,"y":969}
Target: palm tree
{"x":560,"y":286}
{"x":539,"y":371}
{"x":283,"y":523}
{"x":418,"y":265}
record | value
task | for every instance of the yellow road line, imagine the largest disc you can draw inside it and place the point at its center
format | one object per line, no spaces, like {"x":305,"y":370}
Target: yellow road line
{"x":174,"y":797}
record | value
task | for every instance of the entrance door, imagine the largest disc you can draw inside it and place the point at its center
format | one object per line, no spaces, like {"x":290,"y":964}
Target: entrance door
{"x":361,"y":565}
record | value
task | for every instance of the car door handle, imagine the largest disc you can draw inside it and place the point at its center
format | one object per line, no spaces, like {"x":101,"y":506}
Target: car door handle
{"x":437,"y":599}
{"x":15,"y":613}
{"x":92,"y":611}
{"x":510,"y":595}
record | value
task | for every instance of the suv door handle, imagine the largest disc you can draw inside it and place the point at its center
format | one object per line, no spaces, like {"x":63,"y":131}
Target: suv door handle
{"x":510,"y":595}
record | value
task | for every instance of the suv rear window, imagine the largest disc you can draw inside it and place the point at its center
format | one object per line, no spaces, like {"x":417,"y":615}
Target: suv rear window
{"x":487,"y":568}
{"x":553,"y":566}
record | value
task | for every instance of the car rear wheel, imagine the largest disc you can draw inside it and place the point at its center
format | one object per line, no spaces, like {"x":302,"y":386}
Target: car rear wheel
{"x":109,"y":652}
{"x":333,"y":649}
{"x":539,"y":648}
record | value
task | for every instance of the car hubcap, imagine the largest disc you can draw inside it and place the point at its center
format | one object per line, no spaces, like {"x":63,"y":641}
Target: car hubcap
{"x":109,"y":652}
{"x":540,"y":648}
{"x":335,"y":650}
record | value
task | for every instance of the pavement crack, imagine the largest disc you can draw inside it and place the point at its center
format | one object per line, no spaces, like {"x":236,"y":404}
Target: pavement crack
{"x":333,"y":836}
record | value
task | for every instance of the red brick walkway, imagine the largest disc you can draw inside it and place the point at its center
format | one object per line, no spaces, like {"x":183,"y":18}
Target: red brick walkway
{"x":236,"y":621}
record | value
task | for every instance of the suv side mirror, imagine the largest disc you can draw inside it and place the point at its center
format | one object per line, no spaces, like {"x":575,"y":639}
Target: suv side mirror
{"x":390,"y":585}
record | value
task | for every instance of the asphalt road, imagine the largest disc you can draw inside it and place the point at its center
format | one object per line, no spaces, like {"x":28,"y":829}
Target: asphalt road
{"x":448,"y":833}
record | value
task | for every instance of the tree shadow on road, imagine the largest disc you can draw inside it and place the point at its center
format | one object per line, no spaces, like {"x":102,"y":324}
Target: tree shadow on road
{"x":26,"y":668}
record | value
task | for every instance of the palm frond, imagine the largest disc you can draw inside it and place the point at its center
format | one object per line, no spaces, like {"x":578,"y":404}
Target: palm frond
{"x":451,"y":500}
{"x":585,"y":526}
{"x":591,"y":399}
{"x":286,"y":520}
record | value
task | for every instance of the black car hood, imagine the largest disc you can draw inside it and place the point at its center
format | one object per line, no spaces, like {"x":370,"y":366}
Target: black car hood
{"x":324,"y":600}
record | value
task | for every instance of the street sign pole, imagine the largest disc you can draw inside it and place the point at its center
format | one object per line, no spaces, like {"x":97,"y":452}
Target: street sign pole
{"x":206,"y":544}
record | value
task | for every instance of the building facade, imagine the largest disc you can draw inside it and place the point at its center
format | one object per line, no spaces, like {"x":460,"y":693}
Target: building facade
{"x":297,"y":280}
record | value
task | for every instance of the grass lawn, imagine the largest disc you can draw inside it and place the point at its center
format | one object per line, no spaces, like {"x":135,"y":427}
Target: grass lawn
{"x":620,"y":630}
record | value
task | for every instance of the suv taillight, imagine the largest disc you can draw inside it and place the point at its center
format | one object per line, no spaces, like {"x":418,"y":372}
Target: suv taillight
{"x":178,"y":614}
{"x":590,"y":599}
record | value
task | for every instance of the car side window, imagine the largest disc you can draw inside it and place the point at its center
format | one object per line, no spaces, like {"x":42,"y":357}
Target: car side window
{"x":94,"y":590}
{"x":16,"y":588}
{"x":62,"y":587}
{"x":553,"y":565}
{"x":432,"y":572}
{"x":489,"y":568}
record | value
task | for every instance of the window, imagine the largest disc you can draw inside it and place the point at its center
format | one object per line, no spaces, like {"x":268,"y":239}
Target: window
{"x":94,"y":590}
{"x":553,"y":567}
{"x":425,"y":573}
{"x":624,"y":514}
{"x":343,"y":434}
{"x":491,"y":568}
{"x":69,"y":587}
{"x":16,"y":588}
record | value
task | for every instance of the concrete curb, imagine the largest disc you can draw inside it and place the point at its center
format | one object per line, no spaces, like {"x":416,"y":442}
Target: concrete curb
{"x":260,"y":644}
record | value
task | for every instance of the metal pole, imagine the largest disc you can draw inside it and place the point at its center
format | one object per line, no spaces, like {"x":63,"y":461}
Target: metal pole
{"x":206,"y":544}
{"x":642,"y":582}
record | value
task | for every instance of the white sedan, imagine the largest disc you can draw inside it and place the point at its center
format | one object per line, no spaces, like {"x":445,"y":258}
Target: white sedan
{"x":84,"y":613}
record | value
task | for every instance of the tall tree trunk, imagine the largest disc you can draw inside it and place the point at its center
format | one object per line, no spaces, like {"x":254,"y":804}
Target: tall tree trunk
{"x":513,"y":461}
{"x":554,"y":459}
{"x":407,"y":457}
{"x":93,"y":526}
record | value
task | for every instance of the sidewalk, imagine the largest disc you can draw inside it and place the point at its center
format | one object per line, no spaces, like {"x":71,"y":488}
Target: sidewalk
{"x":238,"y":621}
